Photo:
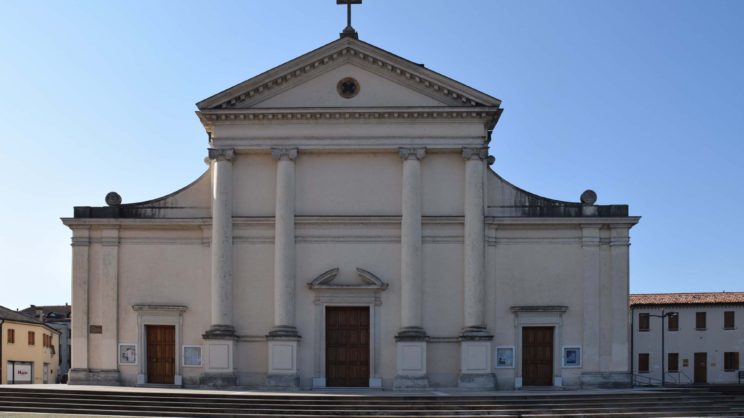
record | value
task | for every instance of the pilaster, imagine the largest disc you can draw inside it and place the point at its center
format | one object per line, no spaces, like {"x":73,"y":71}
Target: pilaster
{"x":80,"y":271}
{"x":591,"y":287}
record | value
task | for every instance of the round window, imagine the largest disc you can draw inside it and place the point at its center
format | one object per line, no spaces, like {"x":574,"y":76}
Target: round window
{"x":347,"y":88}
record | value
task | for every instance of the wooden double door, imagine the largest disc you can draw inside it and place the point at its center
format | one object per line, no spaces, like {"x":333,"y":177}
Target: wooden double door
{"x":537,"y":356}
{"x":347,"y":346}
{"x":161,"y":354}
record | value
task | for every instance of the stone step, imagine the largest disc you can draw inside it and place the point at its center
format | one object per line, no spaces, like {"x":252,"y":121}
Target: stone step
{"x":682,"y":402}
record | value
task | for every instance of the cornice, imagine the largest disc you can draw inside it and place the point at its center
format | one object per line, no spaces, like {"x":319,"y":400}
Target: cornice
{"x":368,"y":56}
{"x":487,"y":116}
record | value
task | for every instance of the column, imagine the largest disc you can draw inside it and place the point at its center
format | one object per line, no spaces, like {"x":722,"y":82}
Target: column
{"x":283,"y":338}
{"x":475,"y":346}
{"x":411,"y":338}
{"x":591,"y":322}
{"x":222,"y":266}
{"x":80,"y":270}
{"x":221,"y":334}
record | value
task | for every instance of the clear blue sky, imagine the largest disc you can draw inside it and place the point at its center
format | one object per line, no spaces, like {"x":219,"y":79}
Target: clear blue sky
{"x":642,"y":101}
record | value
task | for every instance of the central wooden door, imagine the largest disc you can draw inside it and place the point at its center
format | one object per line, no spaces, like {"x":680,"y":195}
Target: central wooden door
{"x":161,"y":354}
{"x":701,"y":367}
{"x":537,"y":356}
{"x":347,"y":346}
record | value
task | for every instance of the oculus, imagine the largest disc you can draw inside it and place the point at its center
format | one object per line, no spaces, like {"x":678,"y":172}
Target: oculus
{"x":347,"y":88}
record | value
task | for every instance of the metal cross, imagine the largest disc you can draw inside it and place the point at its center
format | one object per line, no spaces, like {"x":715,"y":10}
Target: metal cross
{"x":348,"y":30}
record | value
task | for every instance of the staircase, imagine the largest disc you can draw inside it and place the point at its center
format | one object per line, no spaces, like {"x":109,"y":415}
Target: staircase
{"x":638,"y":403}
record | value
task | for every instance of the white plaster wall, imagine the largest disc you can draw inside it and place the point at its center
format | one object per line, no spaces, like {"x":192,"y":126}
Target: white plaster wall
{"x":348,"y":184}
{"x":714,"y":340}
{"x":442,"y":184}
{"x":254,"y":180}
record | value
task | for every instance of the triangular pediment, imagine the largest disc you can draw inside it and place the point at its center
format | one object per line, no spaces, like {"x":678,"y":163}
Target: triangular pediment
{"x":384,"y":80}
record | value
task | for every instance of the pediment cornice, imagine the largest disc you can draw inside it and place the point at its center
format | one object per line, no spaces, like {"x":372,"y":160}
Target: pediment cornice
{"x":364,"y":55}
{"x":209,"y":118}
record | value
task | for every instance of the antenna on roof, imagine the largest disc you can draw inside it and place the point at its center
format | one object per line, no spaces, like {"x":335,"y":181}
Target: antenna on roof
{"x":349,"y":31}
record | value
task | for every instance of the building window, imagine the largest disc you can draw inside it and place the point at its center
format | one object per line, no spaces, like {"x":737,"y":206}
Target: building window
{"x":731,"y":361}
{"x":31,"y":338}
{"x":699,"y":320}
{"x":11,"y":336}
{"x":728,"y":320}
{"x":673,"y":362}
{"x":673,"y":322}
{"x":644,"y":322}
{"x":642,"y":362}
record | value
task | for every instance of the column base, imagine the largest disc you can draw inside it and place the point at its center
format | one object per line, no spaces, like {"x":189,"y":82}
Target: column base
{"x":479,"y":381}
{"x":218,"y":380}
{"x":93,"y":377}
{"x":219,"y":332}
{"x":283,"y":381}
{"x":476,"y":333}
{"x":283,"y":345}
{"x":411,"y":334}
{"x":410,"y":382}
{"x":605,"y":380}
{"x":411,"y":362}
{"x":475,"y":363}
{"x":283,"y":331}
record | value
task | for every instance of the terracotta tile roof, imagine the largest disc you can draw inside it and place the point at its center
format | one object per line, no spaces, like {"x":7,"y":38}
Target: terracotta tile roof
{"x":11,"y":315}
{"x":687,"y":298}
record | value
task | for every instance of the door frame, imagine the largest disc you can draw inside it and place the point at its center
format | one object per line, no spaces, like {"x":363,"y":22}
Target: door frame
{"x":538,"y":316}
{"x":352,"y":300}
{"x":159,"y":315}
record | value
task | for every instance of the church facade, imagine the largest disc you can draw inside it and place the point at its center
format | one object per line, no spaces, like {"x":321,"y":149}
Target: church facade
{"x":349,"y":232}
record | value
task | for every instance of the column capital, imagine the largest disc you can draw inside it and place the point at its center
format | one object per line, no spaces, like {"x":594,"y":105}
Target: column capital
{"x":284,"y":154}
{"x":221,"y":154}
{"x":412,"y":153}
{"x":480,"y":153}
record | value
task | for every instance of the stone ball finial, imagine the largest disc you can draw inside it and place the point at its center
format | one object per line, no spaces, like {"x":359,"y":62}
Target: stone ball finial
{"x":588,"y":197}
{"x":113,"y":199}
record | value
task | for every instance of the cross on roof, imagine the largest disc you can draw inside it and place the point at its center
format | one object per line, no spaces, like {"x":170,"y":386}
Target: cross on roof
{"x":348,"y":30}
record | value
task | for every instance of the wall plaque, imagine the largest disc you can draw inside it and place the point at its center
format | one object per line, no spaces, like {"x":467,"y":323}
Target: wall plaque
{"x":96,"y":329}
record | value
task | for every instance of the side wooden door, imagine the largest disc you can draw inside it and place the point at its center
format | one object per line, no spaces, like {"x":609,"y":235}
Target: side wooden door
{"x":161,"y":354}
{"x":701,"y":367}
{"x":537,"y":356}
{"x":347,"y":346}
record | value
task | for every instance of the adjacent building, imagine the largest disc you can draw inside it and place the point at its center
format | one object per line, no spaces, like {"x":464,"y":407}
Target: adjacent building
{"x":28,"y":349}
{"x":703,"y":337}
{"x":348,"y":231}
{"x":57,"y":317}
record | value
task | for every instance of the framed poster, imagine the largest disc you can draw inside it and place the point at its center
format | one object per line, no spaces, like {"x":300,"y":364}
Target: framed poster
{"x":504,"y":357}
{"x":127,"y":354}
{"x":192,"y":356}
{"x":572,"y":357}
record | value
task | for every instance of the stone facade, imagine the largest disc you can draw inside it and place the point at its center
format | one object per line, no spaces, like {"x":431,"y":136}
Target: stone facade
{"x":382,"y":199}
